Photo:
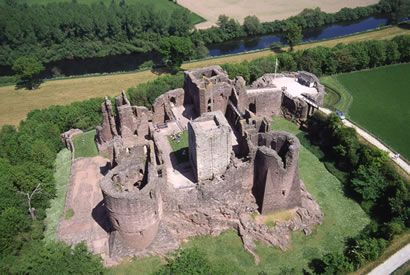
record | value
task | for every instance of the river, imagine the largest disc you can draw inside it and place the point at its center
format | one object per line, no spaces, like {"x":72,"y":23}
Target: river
{"x":132,"y":62}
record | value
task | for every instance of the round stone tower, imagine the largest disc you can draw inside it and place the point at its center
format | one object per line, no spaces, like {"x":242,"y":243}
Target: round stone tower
{"x":276,"y":176}
{"x":133,"y":204}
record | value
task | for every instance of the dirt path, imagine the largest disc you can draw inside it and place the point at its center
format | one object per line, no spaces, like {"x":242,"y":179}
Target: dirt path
{"x":394,"y":262}
{"x":399,"y":161}
{"x":84,"y":200}
{"x":265,"y":10}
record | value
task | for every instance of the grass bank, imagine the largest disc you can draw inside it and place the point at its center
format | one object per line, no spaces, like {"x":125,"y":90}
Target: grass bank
{"x":17,"y":103}
{"x":343,"y":218}
{"x":84,"y":145}
{"x":62,"y":177}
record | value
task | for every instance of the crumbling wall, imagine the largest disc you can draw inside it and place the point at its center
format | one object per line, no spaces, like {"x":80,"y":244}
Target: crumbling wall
{"x":294,"y":108}
{"x":108,"y":130}
{"x":163,"y":104}
{"x":276,"y":177}
{"x":265,"y":102}
{"x":67,"y":138}
{"x":208,"y":89}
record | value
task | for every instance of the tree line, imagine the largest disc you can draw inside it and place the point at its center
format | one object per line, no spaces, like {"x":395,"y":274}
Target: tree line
{"x":71,"y":30}
{"x":370,"y":179}
{"x":27,"y":157}
{"x":326,"y":61}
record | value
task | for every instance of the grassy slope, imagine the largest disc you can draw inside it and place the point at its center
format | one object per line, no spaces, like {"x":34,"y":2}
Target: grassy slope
{"x":84,"y":145}
{"x":380,"y":103}
{"x":61,"y":176}
{"x":343,"y":218}
{"x":337,"y":97}
{"x":165,"y":5}
{"x":59,"y":92}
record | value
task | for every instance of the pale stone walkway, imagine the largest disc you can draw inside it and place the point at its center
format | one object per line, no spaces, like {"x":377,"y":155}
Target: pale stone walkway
{"x":399,"y":161}
{"x":85,"y":201}
{"x":394,"y":262}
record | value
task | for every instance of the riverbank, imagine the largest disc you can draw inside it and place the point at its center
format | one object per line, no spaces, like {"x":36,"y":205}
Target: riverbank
{"x":17,"y":103}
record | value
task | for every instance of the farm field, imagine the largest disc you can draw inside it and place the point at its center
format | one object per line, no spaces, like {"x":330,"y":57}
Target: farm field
{"x":165,"y":5}
{"x":65,"y":91}
{"x":343,"y":218}
{"x":265,"y":10}
{"x":380,"y":103}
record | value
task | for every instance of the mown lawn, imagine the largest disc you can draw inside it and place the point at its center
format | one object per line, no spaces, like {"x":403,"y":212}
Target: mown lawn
{"x":56,"y":209}
{"x":381,"y":98}
{"x":165,"y":5}
{"x":84,"y":145}
{"x":343,"y":218}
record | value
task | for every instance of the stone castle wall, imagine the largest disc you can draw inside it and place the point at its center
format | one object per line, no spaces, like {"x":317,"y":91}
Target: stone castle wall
{"x":276,"y":176}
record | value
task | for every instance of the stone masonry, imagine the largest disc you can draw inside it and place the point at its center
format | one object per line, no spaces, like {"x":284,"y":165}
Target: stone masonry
{"x":210,"y":145}
{"x":238,"y":167}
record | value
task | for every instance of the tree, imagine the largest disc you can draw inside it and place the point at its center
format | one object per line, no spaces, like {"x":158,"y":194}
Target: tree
{"x":252,"y":25}
{"x":292,"y":34}
{"x":187,"y":261}
{"x":174,"y":50}
{"x":28,"y":70}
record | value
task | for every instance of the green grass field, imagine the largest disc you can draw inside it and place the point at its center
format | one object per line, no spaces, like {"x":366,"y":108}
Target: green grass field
{"x":165,"y":5}
{"x":56,"y":209}
{"x":343,"y":218}
{"x":180,"y":148}
{"x":84,"y":145}
{"x":380,"y":103}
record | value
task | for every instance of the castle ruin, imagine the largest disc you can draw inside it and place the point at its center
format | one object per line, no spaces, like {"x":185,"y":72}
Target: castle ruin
{"x":235,"y":165}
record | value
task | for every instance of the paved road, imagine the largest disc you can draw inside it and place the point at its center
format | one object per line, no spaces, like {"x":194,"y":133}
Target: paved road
{"x":399,"y":161}
{"x":393,"y":263}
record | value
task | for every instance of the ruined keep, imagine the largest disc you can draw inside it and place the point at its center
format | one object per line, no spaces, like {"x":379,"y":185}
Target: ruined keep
{"x":235,"y":165}
{"x":210,"y":145}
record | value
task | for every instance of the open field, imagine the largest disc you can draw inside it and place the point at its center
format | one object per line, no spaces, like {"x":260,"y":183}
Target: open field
{"x":17,"y":103}
{"x":265,"y":10}
{"x":84,"y":145}
{"x":165,"y":5}
{"x":343,"y":218}
{"x":380,"y":103}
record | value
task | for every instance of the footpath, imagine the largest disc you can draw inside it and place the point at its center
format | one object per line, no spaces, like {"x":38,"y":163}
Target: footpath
{"x":394,"y":262}
{"x":371,"y":139}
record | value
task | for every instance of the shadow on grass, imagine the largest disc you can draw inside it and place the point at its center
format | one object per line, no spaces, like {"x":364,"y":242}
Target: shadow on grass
{"x":328,"y":161}
{"x":181,"y":155}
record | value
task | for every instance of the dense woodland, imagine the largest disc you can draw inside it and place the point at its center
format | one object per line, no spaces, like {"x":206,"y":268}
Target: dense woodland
{"x":69,"y":30}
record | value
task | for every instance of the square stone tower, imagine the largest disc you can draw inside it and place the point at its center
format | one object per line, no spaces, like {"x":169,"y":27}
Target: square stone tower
{"x":210,"y":145}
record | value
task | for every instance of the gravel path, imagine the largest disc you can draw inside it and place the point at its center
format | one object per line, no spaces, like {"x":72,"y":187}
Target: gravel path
{"x":394,"y":262}
{"x":399,"y":161}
